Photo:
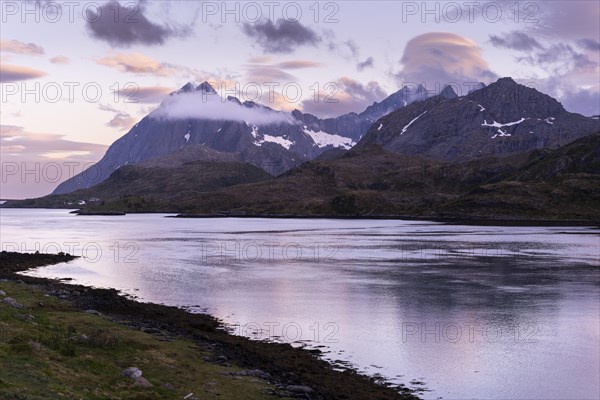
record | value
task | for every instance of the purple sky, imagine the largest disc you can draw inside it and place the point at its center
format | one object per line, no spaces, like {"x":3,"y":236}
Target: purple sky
{"x":70,"y":70}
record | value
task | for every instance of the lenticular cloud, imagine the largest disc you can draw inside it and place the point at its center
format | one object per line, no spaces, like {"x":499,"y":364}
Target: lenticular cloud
{"x":199,"y":105}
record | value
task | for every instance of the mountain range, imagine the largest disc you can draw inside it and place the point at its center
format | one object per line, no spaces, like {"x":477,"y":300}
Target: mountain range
{"x":366,"y":181}
{"x":503,"y":150}
{"x":196,"y":116}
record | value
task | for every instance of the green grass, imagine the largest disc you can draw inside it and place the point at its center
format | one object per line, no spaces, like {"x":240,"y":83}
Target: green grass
{"x":49,"y":358}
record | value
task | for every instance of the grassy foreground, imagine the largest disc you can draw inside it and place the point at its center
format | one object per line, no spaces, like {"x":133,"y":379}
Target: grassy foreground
{"x":61,"y":341}
{"x":58,"y":351}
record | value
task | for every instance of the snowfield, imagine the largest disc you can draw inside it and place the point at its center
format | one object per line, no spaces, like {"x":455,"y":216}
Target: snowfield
{"x":324,"y":139}
{"x":500,"y":125}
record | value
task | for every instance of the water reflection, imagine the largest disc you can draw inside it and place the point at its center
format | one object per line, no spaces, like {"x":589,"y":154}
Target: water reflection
{"x":470,"y":312}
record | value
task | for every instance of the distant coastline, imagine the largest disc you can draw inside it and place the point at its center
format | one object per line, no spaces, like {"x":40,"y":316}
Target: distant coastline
{"x":453,"y":220}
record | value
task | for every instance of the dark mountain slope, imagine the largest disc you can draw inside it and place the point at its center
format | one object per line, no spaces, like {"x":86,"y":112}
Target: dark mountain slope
{"x":500,"y":119}
{"x":153,"y":187}
{"x":564,"y":182}
{"x":371,"y":181}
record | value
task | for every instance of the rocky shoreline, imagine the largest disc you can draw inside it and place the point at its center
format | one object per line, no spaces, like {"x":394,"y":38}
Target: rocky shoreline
{"x":290,"y":372}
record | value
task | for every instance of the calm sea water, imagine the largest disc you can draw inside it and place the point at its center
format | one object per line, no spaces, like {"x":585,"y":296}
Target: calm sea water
{"x":462,"y":312}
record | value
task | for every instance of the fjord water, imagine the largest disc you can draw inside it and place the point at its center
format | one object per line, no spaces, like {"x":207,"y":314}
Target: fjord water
{"x":477,"y":312}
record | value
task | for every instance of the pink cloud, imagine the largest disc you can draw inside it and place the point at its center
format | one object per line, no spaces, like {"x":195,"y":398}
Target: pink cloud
{"x":18,"y":47}
{"x":11,"y":73}
{"x":60,"y":60}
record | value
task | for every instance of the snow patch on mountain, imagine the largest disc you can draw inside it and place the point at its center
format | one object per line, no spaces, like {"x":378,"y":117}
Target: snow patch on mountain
{"x":501,"y":133}
{"x":279,"y":140}
{"x":410,"y":123}
{"x":268,"y":138}
{"x":500,"y":125}
{"x":324,"y":139}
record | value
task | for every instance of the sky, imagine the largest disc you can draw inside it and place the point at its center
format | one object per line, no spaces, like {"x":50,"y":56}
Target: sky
{"x":77,"y":75}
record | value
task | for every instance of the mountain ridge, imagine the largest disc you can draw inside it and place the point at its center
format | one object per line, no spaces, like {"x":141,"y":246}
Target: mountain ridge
{"x":501,"y":118}
{"x":285,"y":140}
{"x":369,"y":181}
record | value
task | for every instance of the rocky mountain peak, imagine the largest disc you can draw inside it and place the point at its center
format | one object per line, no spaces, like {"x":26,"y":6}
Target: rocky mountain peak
{"x":187,"y":88}
{"x":448,"y":93}
{"x":192,"y":86}
{"x":507,"y":81}
{"x":206,"y":87}
{"x":510,"y":99}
